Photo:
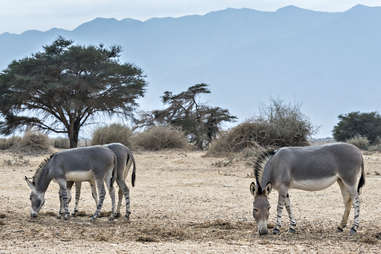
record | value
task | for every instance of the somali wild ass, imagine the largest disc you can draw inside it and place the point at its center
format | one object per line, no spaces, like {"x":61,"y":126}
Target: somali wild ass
{"x":95,"y":163}
{"x":125,"y":159}
{"x":310,"y":168}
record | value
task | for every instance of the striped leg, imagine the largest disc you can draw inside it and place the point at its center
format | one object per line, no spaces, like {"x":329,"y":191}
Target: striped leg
{"x":120,"y":196}
{"x":290,"y":214}
{"x":281,"y":200}
{"x":111,"y":191}
{"x":102,"y":194}
{"x":64,"y":197}
{"x":356,"y":206}
{"x":77,"y":196}
{"x":126,"y":192}
{"x":61,"y":211}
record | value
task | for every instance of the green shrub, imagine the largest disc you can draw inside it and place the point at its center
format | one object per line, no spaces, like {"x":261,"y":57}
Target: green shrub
{"x":358,"y":124}
{"x":160,"y":137}
{"x":359,"y":141}
{"x":114,"y":133}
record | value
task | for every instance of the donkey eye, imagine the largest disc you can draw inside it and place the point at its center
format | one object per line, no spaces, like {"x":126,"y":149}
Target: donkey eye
{"x":255,"y":210}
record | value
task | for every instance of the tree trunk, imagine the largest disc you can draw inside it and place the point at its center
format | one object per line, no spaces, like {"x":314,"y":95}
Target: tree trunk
{"x":73,"y":138}
{"x":73,"y":134}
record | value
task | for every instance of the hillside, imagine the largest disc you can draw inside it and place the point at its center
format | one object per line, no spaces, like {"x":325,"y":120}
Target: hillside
{"x":328,"y":62}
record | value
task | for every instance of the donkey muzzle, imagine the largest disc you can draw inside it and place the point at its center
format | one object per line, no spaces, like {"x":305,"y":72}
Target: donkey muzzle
{"x":263,"y":232}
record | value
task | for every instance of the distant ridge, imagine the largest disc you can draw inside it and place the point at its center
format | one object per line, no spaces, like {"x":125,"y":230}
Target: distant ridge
{"x":327,"y":61}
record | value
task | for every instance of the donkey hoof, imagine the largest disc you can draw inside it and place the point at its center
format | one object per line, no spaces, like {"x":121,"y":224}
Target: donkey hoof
{"x":276,"y":231}
{"x":340,"y":229}
{"x":353,"y":231}
{"x":117,"y":215}
{"x":112,"y":217}
{"x":127,"y":216}
{"x":93,"y":218}
{"x":292,"y":230}
{"x":74,"y":213}
{"x":66,"y":216}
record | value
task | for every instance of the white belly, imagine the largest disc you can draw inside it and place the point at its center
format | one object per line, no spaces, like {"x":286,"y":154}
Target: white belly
{"x":313,"y":185}
{"x":80,"y":176}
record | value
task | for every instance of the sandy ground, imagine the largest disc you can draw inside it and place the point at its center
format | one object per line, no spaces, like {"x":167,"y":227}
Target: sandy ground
{"x":184,"y":203}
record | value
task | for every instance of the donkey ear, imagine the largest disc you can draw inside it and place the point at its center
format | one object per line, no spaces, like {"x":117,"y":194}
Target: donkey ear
{"x":268,"y":189}
{"x":30,"y":184}
{"x":252,"y":188}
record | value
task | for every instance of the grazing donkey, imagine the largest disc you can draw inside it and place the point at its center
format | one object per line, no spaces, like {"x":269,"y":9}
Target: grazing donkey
{"x":79,"y":164}
{"x":310,"y":168}
{"x":124,"y":158}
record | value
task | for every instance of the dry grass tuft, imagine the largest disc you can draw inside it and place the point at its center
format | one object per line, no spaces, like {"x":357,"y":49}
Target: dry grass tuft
{"x":62,"y":143}
{"x":146,"y":239}
{"x":7,"y":143}
{"x":220,"y":224}
{"x":369,"y":240}
{"x":159,"y":138}
{"x":53,"y":214}
{"x":82,"y":214}
{"x":114,"y":133}
{"x":17,"y":160}
{"x":34,"y":142}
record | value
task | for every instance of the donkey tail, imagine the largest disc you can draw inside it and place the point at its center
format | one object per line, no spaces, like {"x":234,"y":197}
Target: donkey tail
{"x":362,"y":178}
{"x":258,"y":166}
{"x":114,"y":171}
{"x":133,"y":176}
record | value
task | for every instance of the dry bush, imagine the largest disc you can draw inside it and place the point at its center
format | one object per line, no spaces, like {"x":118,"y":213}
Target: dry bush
{"x":6,"y":143}
{"x":236,"y":140}
{"x":160,"y":137}
{"x":114,"y":133}
{"x":359,"y":141}
{"x":280,"y":125}
{"x":62,"y":143}
{"x":375,"y":148}
{"x":34,"y":142}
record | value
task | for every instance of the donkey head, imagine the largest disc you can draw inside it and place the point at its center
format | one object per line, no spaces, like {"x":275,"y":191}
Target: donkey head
{"x":261,"y":206}
{"x":37,"y":198}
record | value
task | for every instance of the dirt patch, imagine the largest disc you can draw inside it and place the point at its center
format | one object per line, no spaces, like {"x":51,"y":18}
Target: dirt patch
{"x":193,"y":206}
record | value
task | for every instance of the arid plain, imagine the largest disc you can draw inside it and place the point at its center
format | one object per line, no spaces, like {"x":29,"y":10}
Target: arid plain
{"x":184,"y":202}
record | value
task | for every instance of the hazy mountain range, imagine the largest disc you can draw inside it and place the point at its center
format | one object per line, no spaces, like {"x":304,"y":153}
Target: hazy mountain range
{"x":330,"y":63}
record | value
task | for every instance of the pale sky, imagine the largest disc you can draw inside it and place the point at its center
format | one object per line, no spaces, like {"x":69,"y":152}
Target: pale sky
{"x":17,"y":16}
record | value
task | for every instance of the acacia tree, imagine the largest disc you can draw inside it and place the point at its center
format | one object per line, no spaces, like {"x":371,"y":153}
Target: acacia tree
{"x":201,"y":123}
{"x":61,"y":88}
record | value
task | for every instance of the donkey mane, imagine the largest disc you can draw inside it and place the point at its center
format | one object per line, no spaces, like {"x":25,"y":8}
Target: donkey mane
{"x":40,"y":168}
{"x":259,"y":166}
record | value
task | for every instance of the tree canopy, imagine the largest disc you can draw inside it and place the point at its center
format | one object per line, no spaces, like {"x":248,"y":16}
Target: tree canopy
{"x":61,"y":88}
{"x":201,"y":123}
{"x":358,"y":124}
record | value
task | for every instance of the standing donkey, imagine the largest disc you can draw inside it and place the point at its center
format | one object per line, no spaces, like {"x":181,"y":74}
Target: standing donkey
{"x":79,"y":164}
{"x":124,"y":160}
{"x":307,"y":168}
